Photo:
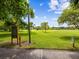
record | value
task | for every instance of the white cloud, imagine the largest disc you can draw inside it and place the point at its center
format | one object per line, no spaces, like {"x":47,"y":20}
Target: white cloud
{"x":65,"y":5}
{"x":41,"y":4}
{"x":44,"y":17}
{"x":63,"y":25}
{"x":55,"y":5}
{"x":58,"y":12}
{"x":54,"y":19}
{"x":46,"y":20}
{"x":49,"y":10}
{"x":54,"y":2}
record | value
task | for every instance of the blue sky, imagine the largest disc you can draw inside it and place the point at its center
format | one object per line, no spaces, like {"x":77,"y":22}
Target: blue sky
{"x":48,"y":11}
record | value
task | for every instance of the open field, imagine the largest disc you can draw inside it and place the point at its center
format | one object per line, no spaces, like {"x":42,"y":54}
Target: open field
{"x":60,"y":39}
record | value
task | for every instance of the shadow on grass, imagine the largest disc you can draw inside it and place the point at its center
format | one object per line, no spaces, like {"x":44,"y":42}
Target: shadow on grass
{"x":7,"y":45}
{"x":4,"y":35}
{"x":9,"y":35}
{"x":70,"y":38}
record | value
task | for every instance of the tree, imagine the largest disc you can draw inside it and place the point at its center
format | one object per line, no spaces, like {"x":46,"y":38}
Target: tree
{"x":23,"y":25}
{"x":37,"y":27}
{"x":70,"y":17}
{"x":14,"y":11}
{"x":1,"y":23}
{"x":44,"y":26}
{"x":74,"y":3}
{"x":31,"y":25}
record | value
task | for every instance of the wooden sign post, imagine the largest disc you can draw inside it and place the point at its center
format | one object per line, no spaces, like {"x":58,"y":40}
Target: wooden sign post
{"x":14,"y":33}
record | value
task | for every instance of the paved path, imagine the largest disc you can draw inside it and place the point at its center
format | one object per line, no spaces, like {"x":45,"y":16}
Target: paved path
{"x":6,"y":53}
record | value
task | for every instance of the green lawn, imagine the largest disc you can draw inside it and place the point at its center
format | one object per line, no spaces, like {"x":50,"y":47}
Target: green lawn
{"x":60,"y":39}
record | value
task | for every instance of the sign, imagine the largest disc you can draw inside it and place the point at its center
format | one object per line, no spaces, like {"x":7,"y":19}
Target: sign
{"x":14,"y":31}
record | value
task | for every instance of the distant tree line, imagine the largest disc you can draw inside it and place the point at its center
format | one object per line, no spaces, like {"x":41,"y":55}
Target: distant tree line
{"x":43,"y":26}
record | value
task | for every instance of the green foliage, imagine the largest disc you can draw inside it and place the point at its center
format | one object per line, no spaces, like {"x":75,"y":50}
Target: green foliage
{"x":31,"y":25}
{"x":23,"y":25}
{"x":14,"y":10}
{"x":37,"y":27}
{"x":70,"y":16}
{"x":12,"y":7}
{"x":44,"y":25}
{"x":1,"y":23}
{"x":31,"y":12}
{"x":74,"y":3}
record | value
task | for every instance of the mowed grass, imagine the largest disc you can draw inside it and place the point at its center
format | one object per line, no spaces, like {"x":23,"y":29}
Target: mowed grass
{"x":60,"y":39}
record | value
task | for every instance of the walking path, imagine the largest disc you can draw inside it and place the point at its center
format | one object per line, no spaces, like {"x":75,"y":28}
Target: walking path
{"x":7,"y":53}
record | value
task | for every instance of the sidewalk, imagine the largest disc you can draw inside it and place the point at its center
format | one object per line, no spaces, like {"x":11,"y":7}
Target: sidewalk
{"x":6,"y":53}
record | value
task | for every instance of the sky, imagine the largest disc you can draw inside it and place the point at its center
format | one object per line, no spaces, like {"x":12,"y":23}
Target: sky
{"x":48,"y":11}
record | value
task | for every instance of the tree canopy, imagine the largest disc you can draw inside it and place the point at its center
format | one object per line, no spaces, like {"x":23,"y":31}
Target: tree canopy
{"x":70,"y":16}
{"x":14,"y":11}
{"x":44,"y":26}
{"x":74,"y":4}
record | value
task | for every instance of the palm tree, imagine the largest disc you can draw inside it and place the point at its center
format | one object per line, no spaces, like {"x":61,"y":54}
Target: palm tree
{"x":30,"y":14}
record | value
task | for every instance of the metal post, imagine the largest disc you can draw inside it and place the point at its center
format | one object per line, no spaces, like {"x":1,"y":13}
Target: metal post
{"x":73,"y":42}
{"x":19,"y":41}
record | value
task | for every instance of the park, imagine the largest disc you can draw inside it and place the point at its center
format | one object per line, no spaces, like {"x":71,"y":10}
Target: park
{"x":27,"y":31}
{"x":58,"y":39}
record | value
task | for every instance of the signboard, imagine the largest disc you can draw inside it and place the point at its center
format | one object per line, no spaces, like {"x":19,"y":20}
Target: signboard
{"x":14,"y":31}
